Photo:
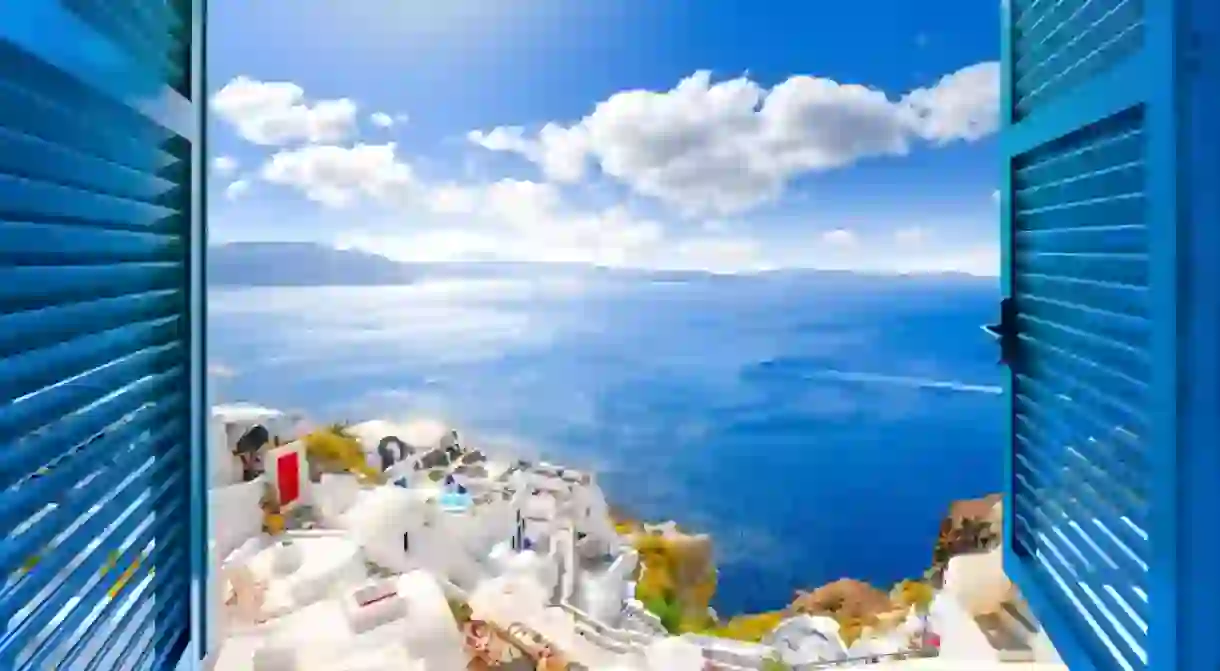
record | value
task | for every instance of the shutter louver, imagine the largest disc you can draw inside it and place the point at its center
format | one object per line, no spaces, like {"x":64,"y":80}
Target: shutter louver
{"x":1058,"y":44}
{"x":1089,"y":274}
{"x":98,"y":383}
{"x":1080,"y":279}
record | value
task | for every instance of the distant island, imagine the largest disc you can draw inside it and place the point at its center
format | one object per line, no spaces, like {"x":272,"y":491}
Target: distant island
{"x":299,"y":264}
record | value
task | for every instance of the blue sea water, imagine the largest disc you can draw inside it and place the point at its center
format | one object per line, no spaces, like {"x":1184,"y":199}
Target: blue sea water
{"x":818,"y":427}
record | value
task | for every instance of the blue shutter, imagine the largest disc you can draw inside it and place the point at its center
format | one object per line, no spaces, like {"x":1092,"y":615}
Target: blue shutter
{"x":101,"y":359}
{"x":1091,"y":219}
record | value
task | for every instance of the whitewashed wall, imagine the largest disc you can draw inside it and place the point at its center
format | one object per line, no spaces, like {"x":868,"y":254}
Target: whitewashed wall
{"x":235,"y":514}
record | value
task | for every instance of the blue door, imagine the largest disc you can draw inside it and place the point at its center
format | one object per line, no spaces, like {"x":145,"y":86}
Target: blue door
{"x":1101,"y":425}
{"x":101,"y":350}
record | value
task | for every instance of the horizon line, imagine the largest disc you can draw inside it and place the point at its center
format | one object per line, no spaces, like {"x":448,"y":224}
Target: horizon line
{"x":641,"y":268}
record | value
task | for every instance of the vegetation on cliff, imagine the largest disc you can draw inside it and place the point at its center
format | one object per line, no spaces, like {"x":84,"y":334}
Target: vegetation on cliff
{"x":677,"y":581}
{"x":752,"y":627}
{"x":332,"y":450}
{"x":972,"y":525}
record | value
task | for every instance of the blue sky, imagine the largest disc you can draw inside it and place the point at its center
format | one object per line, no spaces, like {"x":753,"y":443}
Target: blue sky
{"x":716,"y":134}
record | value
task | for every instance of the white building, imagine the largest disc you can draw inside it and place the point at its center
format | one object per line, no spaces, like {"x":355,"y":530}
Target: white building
{"x":232,"y":422}
{"x":806,"y":639}
{"x":979,"y":615}
{"x":571,"y":495}
{"x":674,"y":654}
{"x":249,"y":446}
{"x":401,"y":445}
{"x":403,"y":529}
{"x":593,"y":522}
{"x":407,"y":626}
{"x":601,"y":594}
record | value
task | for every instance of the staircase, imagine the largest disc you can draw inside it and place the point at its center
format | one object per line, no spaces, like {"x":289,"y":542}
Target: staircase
{"x":1010,"y":631}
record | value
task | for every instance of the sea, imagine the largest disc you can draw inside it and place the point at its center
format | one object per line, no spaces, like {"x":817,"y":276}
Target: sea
{"x":817,"y":425}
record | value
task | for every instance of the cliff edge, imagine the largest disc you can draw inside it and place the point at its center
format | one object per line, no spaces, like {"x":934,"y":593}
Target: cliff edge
{"x":971,"y":526}
{"x":677,"y":578}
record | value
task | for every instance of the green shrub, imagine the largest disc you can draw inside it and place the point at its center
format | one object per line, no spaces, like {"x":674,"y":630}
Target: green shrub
{"x":668,"y":610}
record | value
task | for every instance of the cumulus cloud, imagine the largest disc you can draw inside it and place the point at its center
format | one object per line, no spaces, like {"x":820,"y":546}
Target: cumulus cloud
{"x":840,"y":237}
{"x":383,"y":120}
{"x":278,"y":113}
{"x":517,"y":219}
{"x":501,"y":219}
{"x":964,"y":105}
{"x":709,"y":148}
{"x":503,"y":138}
{"x":224,"y":166}
{"x":337,"y":176}
{"x":561,"y":152}
{"x":511,"y":219}
{"x":237,"y":189}
{"x":525,"y":220}
{"x":723,"y":147}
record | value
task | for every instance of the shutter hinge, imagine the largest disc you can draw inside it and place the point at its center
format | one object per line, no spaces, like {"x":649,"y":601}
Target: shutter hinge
{"x":1005,"y":332}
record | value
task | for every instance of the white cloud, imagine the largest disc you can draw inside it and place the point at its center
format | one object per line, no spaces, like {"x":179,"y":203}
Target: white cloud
{"x":561,"y":152}
{"x":452,"y":199}
{"x":224,"y":166}
{"x":995,"y":196}
{"x":338,"y":176}
{"x":219,"y":370}
{"x":277,"y":113}
{"x":522,"y":220}
{"x":504,"y":219}
{"x":964,"y":105}
{"x":726,"y":146}
{"x":705,"y":147}
{"x":383,"y":120}
{"x":532,"y":221}
{"x":237,"y":189}
{"x":511,"y":219}
{"x":840,"y":237}
{"x":502,"y":138}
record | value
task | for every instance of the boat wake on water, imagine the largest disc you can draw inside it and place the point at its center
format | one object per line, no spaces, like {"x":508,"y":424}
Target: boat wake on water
{"x":905,"y":381}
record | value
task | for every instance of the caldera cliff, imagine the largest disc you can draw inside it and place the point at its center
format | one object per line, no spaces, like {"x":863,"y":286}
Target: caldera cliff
{"x":677,"y":578}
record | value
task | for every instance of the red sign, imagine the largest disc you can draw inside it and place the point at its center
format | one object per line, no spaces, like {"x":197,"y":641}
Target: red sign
{"x":288,"y":476}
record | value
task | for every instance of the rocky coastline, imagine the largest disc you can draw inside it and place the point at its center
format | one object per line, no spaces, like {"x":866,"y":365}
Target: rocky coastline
{"x":677,"y":578}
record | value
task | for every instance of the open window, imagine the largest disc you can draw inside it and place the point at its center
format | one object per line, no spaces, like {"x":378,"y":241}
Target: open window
{"x":1110,"y":332}
{"x":103,"y":234}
